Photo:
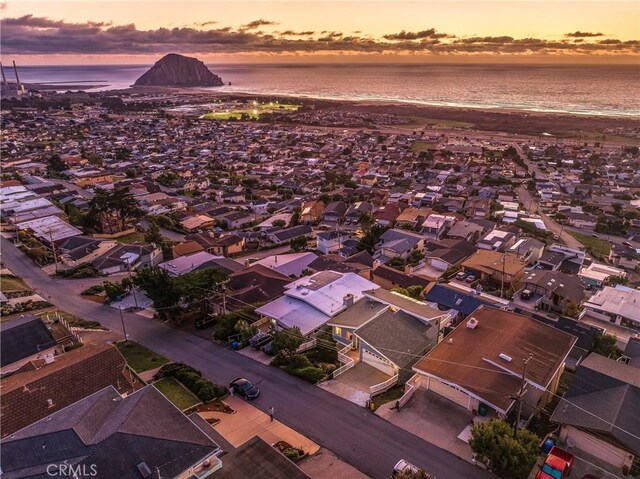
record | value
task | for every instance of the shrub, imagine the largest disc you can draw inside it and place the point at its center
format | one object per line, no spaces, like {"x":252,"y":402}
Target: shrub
{"x":193,"y":381}
{"x":298,"y":361}
{"x":292,"y":454}
{"x":85,"y":270}
{"x":311,"y":374}
{"x":322,"y":355}
{"x":93,"y":290}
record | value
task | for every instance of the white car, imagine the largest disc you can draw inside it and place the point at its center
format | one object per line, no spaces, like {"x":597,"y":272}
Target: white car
{"x":402,"y":466}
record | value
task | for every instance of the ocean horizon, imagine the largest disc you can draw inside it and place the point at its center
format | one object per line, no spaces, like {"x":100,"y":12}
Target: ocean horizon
{"x":603,"y":90}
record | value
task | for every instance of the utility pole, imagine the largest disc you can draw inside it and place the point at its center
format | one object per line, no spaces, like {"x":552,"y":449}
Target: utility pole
{"x":520,"y":395}
{"x":133,"y":287}
{"x":53,"y":248}
{"x":124,"y":329}
{"x":503,"y":261}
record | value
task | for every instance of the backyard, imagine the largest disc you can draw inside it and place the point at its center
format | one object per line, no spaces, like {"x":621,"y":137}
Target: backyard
{"x":139,"y":358}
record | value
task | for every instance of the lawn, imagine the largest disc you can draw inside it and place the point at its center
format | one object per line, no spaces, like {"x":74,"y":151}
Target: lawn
{"x":419,"y":146}
{"x":139,"y":358}
{"x":253,"y":112}
{"x":74,"y":321}
{"x":131,"y":238}
{"x":176,"y":393}
{"x":12,"y":283}
{"x":597,"y":247}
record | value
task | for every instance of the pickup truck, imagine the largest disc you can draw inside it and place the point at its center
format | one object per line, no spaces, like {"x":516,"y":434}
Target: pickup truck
{"x":557,"y":465}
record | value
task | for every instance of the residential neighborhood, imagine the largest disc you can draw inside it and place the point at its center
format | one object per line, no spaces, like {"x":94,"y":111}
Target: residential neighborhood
{"x":227,"y":297}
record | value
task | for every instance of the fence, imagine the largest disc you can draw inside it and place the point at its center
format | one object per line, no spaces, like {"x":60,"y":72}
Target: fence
{"x":382,"y":387}
{"x":348,"y":362}
{"x":307,"y":346}
{"x":409,"y":389}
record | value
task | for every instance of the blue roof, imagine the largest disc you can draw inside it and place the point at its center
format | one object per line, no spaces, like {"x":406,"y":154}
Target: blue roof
{"x":448,"y":298}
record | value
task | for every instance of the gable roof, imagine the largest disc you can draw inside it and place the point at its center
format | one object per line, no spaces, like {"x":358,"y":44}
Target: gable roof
{"x":397,"y":335}
{"x":604,"y":397}
{"x":113,"y":433}
{"x":22,"y":338}
{"x":401,"y":279}
{"x":72,"y":376}
{"x":452,"y":299}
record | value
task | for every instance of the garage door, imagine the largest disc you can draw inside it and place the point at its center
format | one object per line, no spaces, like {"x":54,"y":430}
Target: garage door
{"x":377,"y":362}
{"x":600,"y":449}
{"x":439,"y":264}
{"x":452,"y":394}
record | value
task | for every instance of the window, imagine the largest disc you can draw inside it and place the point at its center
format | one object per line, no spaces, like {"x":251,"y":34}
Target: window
{"x":338,"y":331}
{"x":350,"y":336}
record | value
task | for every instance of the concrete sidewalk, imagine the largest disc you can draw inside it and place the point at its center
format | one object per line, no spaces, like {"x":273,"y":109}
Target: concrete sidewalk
{"x":249,"y":422}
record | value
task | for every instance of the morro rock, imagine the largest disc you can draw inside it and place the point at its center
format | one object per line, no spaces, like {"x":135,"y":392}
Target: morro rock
{"x":178,"y":70}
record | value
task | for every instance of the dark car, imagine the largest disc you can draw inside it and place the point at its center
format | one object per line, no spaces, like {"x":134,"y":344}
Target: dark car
{"x":244,"y":388}
{"x":268,"y":348}
{"x":260,"y":339}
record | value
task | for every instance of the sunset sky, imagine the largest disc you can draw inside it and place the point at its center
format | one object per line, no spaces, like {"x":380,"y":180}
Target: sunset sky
{"x":59,"y":32}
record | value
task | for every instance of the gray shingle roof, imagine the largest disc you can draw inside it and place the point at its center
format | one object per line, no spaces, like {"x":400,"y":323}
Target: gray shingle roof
{"x":23,"y":338}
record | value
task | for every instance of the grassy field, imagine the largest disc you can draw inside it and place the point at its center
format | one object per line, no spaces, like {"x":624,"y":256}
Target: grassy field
{"x":253,"y":113}
{"x":176,"y":393}
{"x":131,"y":238}
{"x":419,"y":146}
{"x":74,"y":321}
{"x":8,"y":283}
{"x":140,"y":359}
{"x":597,"y":247}
{"x":439,"y":123}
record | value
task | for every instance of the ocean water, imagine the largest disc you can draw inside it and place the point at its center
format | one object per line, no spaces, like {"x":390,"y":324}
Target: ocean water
{"x":579,"y":89}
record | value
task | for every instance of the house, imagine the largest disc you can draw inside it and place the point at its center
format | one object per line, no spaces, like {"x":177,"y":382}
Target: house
{"x":286,"y":235}
{"x":334,"y":211}
{"x":309,"y":302}
{"x":235,"y":219}
{"x":619,"y":305}
{"x":290,"y":265}
{"x":624,"y":256}
{"x":496,"y":240}
{"x":257,"y":458}
{"x":481,"y":362}
{"x":597,"y":274}
{"x":187,"y":264}
{"x":413,"y":217}
{"x":40,"y":388}
{"x":49,"y":229}
{"x":458,"y":304}
{"x":80,"y":249}
{"x":194,"y":223}
{"x":330,"y":241}
{"x":599,"y":412}
{"x":447,"y":253}
{"x":435,"y":225}
{"x":581,"y":220}
{"x":311,"y":212}
{"x":495,"y":268}
{"x":550,"y":260}
{"x":397,"y":243}
{"x":140,"y":435}
{"x":528,"y":250}
{"x":386,"y":215}
{"x":465,"y":230}
{"x":28,"y":339}
{"x":552,"y":291}
{"x":126,"y":257}
{"x":255,"y":284}
{"x":356,"y":210}
{"x":186,"y":248}
{"x":227,"y":245}
{"x":390,"y":278}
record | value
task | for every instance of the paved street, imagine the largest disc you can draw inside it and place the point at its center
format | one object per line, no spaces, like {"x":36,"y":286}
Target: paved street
{"x":354,"y":434}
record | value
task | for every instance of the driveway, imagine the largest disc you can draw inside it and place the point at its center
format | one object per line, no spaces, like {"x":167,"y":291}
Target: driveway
{"x":355,"y":384}
{"x":434,"y":419}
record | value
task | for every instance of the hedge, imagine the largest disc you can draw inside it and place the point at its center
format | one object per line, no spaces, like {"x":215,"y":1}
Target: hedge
{"x":193,"y":381}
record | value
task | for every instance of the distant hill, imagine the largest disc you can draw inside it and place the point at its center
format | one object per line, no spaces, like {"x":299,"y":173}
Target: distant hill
{"x":178,"y":70}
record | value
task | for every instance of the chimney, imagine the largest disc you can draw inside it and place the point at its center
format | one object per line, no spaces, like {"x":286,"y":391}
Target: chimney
{"x":49,"y":403}
{"x":348,"y":300}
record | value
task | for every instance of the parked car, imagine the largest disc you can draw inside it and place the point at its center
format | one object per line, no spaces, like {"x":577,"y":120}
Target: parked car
{"x":402,"y":466}
{"x":461,"y":275}
{"x":470,"y":279}
{"x":268,"y":348}
{"x":593,"y":235}
{"x":259,"y":340}
{"x":245,"y":388}
{"x":626,"y":243}
{"x":557,"y":465}
{"x":526,"y":294}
